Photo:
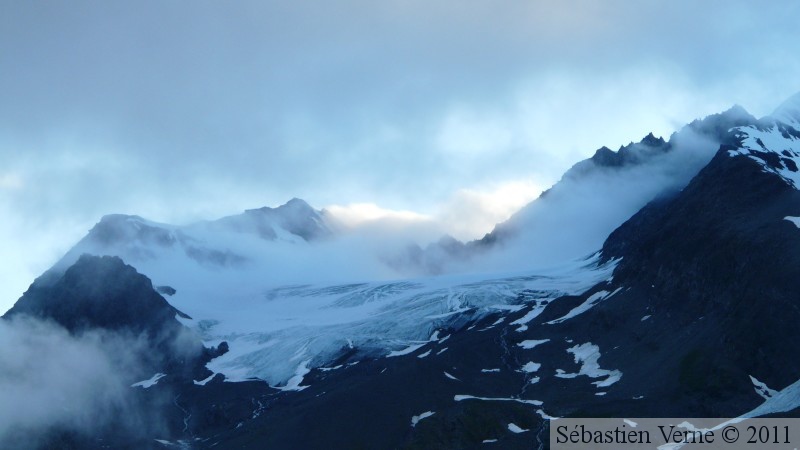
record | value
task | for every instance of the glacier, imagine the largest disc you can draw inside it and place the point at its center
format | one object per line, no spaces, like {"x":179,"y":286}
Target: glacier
{"x":244,"y":280}
{"x":277,"y":333}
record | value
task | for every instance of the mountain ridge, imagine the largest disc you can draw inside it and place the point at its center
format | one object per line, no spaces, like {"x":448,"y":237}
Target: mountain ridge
{"x":688,"y":308}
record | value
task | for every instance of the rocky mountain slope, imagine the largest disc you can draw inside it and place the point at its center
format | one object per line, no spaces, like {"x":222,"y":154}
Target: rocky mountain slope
{"x":688,"y":308}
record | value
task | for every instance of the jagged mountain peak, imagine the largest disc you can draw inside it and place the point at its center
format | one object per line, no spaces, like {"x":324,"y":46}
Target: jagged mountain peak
{"x":294,"y":204}
{"x":229,"y":242}
{"x":296,"y":217}
{"x":116,"y":228}
{"x":98,"y":292}
{"x":736,"y":110}
{"x":633,"y":153}
{"x":718,"y":126}
{"x":652,"y":141}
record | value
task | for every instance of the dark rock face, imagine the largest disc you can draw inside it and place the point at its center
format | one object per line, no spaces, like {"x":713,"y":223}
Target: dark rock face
{"x":632,"y":153}
{"x":166,"y":290}
{"x":724,"y":266}
{"x":104,"y":293}
{"x":99,"y":292}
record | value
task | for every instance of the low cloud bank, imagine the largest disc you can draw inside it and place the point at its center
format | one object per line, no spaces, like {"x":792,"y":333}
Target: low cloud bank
{"x":574,"y":218}
{"x":56,"y":386}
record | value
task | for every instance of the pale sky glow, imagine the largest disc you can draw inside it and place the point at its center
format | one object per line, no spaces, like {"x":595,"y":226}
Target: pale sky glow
{"x":357,"y":214}
{"x":445,"y":115}
{"x":471,"y":213}
{"x":467,"y":214}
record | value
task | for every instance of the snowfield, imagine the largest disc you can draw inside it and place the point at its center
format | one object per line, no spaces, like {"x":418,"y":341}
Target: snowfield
{"x":237,"y":287}
{"x":283,"y":332}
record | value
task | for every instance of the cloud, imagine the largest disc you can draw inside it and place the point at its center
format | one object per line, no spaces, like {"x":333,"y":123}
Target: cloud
{"x":179,"y":114}
{"x":52,"y":382}
{"x":471,"y":213}
{"x":10,"y":181}
{"x":466,"y":215}
{"x":357,"y":214}
{"x":573,"y":219}
{"x":465,"y":134}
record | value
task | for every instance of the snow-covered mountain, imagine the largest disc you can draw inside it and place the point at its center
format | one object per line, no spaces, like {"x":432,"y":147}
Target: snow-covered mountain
{"x":276,"y":331}
{"x":224,"y":242}
{"x":680,"y":299}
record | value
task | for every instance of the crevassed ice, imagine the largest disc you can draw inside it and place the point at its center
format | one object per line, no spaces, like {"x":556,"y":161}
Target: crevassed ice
{"x":237,"y":288}
{"x":270,"y":334}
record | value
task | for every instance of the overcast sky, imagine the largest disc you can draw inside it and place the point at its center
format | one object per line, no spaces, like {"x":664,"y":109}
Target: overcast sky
{"x":456,"y":112}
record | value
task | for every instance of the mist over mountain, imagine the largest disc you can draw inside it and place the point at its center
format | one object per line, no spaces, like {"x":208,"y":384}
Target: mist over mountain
{"x":573,"y":217}
{"x":658,"y":280}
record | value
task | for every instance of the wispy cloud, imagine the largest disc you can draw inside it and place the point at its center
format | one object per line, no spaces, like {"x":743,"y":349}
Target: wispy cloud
{"x":180,"y":113}
{"x":54,"y":382}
